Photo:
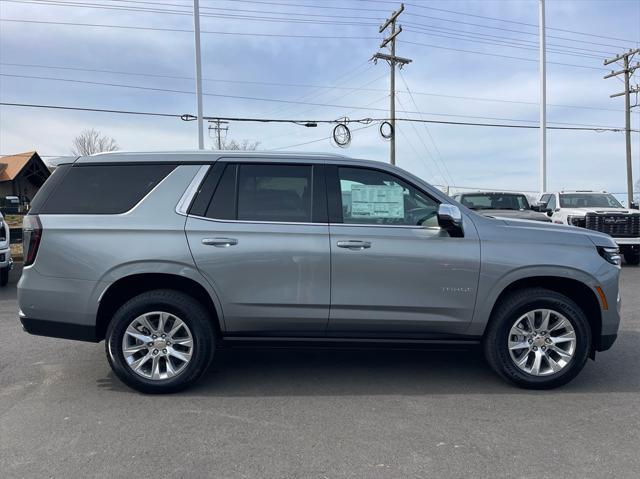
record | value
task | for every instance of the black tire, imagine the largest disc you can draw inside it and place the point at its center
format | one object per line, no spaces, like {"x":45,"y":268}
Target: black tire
{"x":518,"y":303}
{"x":190,"y":311}
{"x":4,"y":276}
{"x":632,"y":258}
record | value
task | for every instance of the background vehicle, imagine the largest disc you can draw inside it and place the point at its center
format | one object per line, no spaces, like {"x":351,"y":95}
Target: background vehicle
{"x":598,"y":211}
{"x":6,"y":262}
{"x":501,"y":205}
{"x":185,"y":252}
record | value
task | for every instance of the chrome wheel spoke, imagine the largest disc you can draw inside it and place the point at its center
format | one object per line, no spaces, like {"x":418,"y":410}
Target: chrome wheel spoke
{"x":179,"y":355}
{"x":533,"y":348}
{"x":564,"y":338}
{"x":544,"y":324}
{"x":129,"y":350}
{"x":515,"y":345}
{"x":187,"y":342}
{"x":152,"y":355}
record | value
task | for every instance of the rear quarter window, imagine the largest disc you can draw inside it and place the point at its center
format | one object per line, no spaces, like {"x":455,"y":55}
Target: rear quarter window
{"x":102,"y":189}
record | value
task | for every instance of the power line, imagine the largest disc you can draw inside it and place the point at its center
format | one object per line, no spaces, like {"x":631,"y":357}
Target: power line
{"x":575,"y":32}
{"x":276,"y":100}
{"x":275,"y":35}
{"x":433,"y":141}
{"x":186,"y":30}
{"x":499,"y":55}
{"x":333,"y":86}
{"x":188,"y":117}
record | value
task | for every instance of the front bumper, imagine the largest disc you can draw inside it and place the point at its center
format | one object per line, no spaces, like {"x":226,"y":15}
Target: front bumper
{"x":5,"y":258}
{"x":627,"y":241}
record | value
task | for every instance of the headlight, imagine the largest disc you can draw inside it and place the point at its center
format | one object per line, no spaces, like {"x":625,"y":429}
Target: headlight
{"x":612,"y":255}
{"x":576,"y":221}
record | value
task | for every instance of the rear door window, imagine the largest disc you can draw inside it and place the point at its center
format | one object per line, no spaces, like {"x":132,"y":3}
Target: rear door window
{"x":103,"y":189}
{"x":274,"y":193}
{"x":267,"y":192}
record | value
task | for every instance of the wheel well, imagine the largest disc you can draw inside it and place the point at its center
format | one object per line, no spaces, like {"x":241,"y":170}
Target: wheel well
{"x":577,"y":291}
{"x":126,"y":288}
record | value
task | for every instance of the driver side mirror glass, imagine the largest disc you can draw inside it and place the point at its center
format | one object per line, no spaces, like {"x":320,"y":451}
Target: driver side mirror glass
{"x":450,"y":220}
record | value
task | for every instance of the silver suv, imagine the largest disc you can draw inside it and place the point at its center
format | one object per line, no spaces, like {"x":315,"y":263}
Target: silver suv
{"x":168,"y":256}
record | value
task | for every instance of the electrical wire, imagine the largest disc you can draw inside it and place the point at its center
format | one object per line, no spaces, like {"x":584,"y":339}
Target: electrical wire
{"x":280,"y":120}
{"x":332,"y":86}
{"x":277,"y":100}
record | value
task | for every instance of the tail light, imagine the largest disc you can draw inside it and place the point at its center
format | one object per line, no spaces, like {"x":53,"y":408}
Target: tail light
{"x":31,"y":236}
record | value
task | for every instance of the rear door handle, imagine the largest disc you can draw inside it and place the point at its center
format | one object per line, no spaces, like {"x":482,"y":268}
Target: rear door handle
{"x":354,"y":244}
{"x":220,"y":242}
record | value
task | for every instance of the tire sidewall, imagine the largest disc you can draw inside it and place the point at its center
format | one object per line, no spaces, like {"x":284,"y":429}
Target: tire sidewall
{"x":552,"y":302}
{"x":189,"y":311}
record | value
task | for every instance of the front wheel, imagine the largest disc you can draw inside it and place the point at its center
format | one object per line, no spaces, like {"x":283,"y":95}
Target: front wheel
{"x":538,"y":339}
{"x":160,"y":341}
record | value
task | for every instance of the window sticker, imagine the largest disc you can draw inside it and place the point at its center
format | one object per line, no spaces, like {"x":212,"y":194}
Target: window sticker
{"x":377,"y":201}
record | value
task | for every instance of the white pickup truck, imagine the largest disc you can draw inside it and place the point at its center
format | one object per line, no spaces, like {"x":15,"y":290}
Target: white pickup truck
{"x":599,"y":211}
{"x":5,"y":252}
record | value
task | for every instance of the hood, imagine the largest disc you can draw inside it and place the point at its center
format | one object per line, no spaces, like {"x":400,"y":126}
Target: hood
{"x":515,"y":214}
{"x":584,"y":211}
{"x":559,"y":233}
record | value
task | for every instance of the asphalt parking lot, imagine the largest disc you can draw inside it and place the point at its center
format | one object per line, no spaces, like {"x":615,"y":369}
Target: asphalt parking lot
{"x":301,"y":413}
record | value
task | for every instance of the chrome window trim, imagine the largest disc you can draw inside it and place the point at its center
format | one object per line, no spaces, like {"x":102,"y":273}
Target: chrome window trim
{"x":182,"y":208}
{"x":292,"y":223}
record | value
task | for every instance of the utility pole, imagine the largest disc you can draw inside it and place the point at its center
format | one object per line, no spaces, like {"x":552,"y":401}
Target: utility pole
{"x":196,"y":28}
{"x":217,"y":126}
{"x":393,"y":60}
{"x":543,"y":102}
{"x":627,"y":71}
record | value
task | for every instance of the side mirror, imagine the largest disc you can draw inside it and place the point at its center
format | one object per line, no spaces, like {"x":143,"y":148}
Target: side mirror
{"x":535,"y":207}
{"x":450,"y":220}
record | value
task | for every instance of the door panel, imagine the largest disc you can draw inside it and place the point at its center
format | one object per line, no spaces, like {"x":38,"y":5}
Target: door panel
{"x":262,"y":241}
{"x":274,"y":279}
{"x":394,"y":272}
{"x":409,"y":281}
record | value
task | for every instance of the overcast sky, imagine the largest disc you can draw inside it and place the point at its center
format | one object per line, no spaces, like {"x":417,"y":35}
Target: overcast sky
{"x":463,"y":72}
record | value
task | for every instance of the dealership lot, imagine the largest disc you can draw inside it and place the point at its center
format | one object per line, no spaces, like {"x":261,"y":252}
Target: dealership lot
{"x":316,"y":413}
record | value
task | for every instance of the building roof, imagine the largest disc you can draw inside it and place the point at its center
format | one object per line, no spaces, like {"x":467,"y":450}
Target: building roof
{"x":12,"y":165}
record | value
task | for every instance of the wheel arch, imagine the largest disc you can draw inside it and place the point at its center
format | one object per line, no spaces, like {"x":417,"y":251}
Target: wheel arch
{"x":582,"y":294}
{"x":132,"y":285}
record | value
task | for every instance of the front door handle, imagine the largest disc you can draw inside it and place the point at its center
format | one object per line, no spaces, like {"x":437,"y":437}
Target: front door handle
{"x":220,"y":242}
{"x":354,"y":244}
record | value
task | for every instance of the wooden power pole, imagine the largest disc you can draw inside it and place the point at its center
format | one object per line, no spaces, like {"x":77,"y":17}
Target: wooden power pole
{"x":393,"y":60}
{"x":627,"y":71}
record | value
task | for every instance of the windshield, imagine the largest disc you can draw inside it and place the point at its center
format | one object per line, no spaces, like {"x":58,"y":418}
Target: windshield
{"x":495,"y":201}
{"x":586,"y":200}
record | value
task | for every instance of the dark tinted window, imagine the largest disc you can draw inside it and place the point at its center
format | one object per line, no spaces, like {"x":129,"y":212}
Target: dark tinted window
{"x":274,"y":193}
{"x":375,"y":197}
{"x":104,"y":189}
{"x":588,"y":200}
{"x":495,"y":201}
{"x":223,"y":203}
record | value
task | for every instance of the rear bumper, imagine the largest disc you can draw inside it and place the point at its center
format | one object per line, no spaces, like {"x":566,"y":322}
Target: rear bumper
{"x":55,"y":329}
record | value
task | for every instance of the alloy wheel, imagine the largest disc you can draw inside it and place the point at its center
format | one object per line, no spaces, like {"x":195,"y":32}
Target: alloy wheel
{"x":542,"y":342}
{"x":157,"y":345}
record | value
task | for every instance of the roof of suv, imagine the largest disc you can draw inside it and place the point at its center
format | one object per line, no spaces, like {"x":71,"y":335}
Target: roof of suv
{"x":195,"y":155}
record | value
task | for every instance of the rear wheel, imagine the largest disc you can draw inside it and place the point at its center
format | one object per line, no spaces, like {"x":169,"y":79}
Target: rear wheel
{"x":538,"y":339}
{"x":161,"y":341}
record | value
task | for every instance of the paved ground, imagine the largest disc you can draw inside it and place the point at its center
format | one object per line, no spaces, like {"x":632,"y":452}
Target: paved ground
{"x":316,"y":413}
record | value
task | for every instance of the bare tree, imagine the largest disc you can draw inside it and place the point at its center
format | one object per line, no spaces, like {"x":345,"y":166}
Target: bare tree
{"x":244,"y":145}
{"x":92,"y":141}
